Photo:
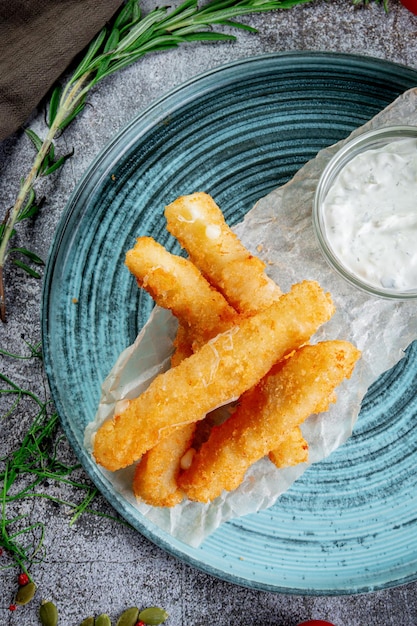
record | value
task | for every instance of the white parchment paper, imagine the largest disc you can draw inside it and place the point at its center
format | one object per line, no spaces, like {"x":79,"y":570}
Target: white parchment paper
{"x":279,"y":230}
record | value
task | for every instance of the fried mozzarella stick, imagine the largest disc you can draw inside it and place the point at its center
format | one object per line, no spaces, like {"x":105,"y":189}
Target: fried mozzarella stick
{"x":294,"y":389}
{"x":198,"y":224}
{"x":219,"y":372}
{"x":175,"y":283}
{"x":156,"y":474}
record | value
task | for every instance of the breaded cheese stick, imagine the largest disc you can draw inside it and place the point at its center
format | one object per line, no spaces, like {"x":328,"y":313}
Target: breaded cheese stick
{"x":176,"y":284}
{"x":296,"y":388}
{"x":155,"y":478}
{"x":156,"y":474}
{"x":198,"y":224}
{"x":219,"y":372}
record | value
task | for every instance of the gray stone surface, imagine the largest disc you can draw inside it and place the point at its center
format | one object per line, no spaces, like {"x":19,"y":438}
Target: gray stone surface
{"x":98,"y":564}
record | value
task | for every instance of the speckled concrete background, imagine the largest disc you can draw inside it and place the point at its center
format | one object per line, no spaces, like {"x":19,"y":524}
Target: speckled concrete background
{"x":99,"y":565}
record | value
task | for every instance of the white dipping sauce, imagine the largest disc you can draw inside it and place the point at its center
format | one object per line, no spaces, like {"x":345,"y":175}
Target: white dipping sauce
{"x":370,"y":216}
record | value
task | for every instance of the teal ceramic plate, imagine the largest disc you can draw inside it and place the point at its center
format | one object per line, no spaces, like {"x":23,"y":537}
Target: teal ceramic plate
{"x":350,"y":523}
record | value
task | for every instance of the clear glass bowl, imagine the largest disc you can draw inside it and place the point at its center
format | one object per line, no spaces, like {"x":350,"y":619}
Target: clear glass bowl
{"x":370,"y":140}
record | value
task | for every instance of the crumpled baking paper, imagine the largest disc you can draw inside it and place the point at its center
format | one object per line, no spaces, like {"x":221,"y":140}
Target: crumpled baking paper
{"x":279,"y":230}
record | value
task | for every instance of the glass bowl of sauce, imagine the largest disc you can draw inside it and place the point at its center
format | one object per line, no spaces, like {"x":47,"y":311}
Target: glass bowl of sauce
{"x":365,"y":212}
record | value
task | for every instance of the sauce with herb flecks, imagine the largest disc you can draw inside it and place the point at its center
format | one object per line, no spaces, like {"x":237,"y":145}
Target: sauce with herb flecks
{"x":370,"y":216}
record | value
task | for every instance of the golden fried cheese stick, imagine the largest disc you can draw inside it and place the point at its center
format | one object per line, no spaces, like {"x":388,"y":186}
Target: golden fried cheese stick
{"x":295,"y":388}
{"x":198,"y":224}
{"x":176,"y":284}
{"x":156,"y":474}
{"x":219,"y":372}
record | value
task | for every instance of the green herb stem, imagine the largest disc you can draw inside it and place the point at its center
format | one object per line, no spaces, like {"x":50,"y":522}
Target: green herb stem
{"x":69,"y":101}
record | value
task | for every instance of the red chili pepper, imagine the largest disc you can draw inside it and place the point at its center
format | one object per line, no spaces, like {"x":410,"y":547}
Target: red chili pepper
{"x":411,"y":5}
{"x":140,"y":623}
{"x":23,"y":579}
{"x":12,"y":607}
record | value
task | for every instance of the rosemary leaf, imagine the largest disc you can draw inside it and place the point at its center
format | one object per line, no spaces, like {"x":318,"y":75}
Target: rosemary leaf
{"x":30,"y":255}
{"x":57,"y":164}
{"x":136,"y":31}
{"x":31,"y":272}
{"x":207,"y":36}
{"x":126,"y":15}
{"x":93,"y":49}
{"x":186,"y":10}
{"x":112,"y":41}
{"x":31,"y":207}
{"x":35,"y":139}
{"x":67,"y":121}
{"x":241,"y":25}
{"x":31,"y":199}
{"x":53,"y":104}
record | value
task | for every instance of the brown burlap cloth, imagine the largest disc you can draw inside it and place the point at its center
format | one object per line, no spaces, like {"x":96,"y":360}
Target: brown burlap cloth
{"x":38,"y":41}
